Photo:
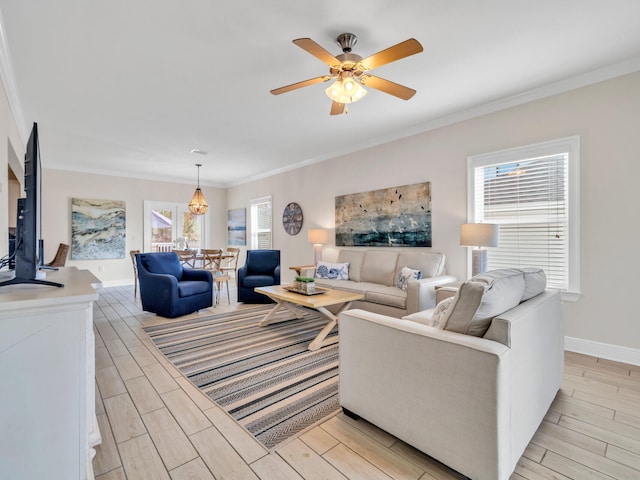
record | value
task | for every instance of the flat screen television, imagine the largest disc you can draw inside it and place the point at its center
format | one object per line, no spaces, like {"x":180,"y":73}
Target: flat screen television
{"x":27,"y":246}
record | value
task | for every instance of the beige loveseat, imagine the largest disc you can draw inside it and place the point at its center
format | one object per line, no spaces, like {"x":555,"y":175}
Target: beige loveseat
{"x":374,"y":273}
{"x":472,"y":402}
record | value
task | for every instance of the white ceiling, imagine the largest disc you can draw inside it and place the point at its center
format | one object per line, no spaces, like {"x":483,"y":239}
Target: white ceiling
{"x":129,"y":87}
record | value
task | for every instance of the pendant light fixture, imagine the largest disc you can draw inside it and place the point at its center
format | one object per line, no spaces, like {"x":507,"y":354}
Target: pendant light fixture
{"x":198,"y":205}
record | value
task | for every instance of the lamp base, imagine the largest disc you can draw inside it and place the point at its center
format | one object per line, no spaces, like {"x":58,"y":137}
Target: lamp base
{"x":478,"y":261}
{"x":317,"y":253}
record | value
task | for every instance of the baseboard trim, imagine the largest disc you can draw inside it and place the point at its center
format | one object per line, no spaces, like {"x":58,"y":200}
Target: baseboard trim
{"x":603,"y":350}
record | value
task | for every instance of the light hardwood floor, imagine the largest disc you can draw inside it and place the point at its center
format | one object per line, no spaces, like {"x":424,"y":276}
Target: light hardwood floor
{"x":156,"y":425}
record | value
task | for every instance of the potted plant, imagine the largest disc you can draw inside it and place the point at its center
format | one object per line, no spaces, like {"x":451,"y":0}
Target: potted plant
{"x":305,"y":284}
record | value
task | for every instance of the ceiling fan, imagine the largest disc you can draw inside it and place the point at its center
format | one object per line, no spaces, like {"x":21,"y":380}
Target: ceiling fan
{"x":350,"y":71}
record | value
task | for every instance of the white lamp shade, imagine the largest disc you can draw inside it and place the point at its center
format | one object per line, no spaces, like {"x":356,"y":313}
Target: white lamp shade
{"x":318,"y":235}
{"x":479,"y":235}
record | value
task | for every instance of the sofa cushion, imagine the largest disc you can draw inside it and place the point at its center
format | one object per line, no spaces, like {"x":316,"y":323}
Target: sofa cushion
{"x":384,"y":295}
{"x":379,"y":267}
{"x":405,"y":275}
{"x":482,"y":298}
{"x":252,"y":281}
{"x":535,"y":281}
{"x":333,"y":271}
{"x":354,"y":258}
{"x":431,"y":264}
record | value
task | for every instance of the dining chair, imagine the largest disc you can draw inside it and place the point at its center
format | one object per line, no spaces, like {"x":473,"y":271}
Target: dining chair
{"x":231,"y":261}
{"x":211,"y":259}
{"x":186,"y":257}
{"x":61,"y":256}
{"x":133,"y":253}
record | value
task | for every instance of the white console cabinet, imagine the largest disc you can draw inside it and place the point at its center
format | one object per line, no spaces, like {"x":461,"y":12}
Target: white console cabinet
{"x":48,"y":425}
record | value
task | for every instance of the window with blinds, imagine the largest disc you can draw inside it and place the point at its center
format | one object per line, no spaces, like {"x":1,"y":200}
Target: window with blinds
{"x":527,"y":191}
{"x":261,"y":223}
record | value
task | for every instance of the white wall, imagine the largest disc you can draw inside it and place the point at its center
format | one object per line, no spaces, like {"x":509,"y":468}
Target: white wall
{"x":605,"y":115}
{"x":11,"y":152}
{"x":60,"y":186}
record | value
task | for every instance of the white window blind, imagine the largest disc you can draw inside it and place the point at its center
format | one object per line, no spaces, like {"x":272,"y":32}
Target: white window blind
{"x":261,"y":223}
{"x":527,"y":192}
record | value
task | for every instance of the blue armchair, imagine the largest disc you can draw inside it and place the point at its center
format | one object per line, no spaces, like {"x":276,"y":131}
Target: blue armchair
{"x":261,"y":269}
{"x":170,"y":290}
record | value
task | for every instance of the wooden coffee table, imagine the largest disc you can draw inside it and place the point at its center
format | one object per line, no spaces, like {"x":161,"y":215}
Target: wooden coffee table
{"x":292,"y":301}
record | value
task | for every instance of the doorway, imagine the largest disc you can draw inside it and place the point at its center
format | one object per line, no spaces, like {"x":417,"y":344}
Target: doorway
{"x":171,"y":226}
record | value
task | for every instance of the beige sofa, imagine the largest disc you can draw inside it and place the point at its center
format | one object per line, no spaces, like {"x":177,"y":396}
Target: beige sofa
{"x":472,"y":402}
{"x":374,"y":273}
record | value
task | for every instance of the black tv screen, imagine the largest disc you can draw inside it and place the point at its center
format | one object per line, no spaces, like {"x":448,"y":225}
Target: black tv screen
{"x":26,"y":243}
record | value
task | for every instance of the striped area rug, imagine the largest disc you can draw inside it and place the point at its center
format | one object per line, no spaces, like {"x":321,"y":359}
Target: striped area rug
{"x":265,"y":377}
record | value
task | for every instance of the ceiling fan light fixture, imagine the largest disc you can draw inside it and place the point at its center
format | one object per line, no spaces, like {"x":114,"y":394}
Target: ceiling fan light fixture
{"x":345,"y":90}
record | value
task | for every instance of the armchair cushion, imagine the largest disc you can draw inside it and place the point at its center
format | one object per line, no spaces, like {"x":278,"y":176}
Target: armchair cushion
{"x":188,"y":288}
{"x":161,"y":264}
{"x":482,"y":298}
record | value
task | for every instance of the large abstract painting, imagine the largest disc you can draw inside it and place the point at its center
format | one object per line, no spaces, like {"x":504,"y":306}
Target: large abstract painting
{"x":391,"y":217}
{"x":237,"y":226}
{"x":97,"y":229}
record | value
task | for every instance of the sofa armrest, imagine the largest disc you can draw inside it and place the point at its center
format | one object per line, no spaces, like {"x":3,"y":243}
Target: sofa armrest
{"x":421,"y":294}
{"x":444,"y":393}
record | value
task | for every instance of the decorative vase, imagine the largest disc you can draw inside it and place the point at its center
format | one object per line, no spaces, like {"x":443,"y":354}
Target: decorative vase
{"x":305,"y":287}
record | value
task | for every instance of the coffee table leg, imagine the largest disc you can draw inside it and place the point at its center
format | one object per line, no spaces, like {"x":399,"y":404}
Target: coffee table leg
{"x":321,"y":338}
{"x":280,"y":304}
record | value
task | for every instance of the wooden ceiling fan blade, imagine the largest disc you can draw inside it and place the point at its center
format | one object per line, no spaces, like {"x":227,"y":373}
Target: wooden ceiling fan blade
{"x":337,"y":108}
{"x":317,"y":51}
{"x":391,"y":54}
{"x":304,"y":83}
{"x":387,"y":86}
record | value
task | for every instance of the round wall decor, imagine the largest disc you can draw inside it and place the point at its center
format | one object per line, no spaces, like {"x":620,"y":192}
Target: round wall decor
{"x":292,"y":218}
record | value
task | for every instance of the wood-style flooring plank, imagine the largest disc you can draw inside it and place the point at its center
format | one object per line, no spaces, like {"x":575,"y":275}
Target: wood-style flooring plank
{"x":273,"y":467}
{"x":193,"y":470}
{"x":307,"y":462}
{"x":123,"y":418}
{"x":385,"y":459}
{"x":319,"y":440}
{"x":144,"y":396}
{"x":160,"y":378}
{"x":172,"y":444}
{"x":141,"y":460}
{"x":248,"y":447}
{"x":353,"y":465}
{"x":188,"y":415}
{"x":220,"y":457}
{"x":107,"y":457}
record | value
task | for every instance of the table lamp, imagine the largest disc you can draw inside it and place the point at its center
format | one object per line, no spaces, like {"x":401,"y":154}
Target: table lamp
{"x":479,"y":235}
{"x":318,"y":236}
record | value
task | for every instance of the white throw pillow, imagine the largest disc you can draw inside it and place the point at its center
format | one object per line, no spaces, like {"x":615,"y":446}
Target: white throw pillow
{"x":332,"y":271}
{"x":441,"y":313}
{"x":405,"y":275}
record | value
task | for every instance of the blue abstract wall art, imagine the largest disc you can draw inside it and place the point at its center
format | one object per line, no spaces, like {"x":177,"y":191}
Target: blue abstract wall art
{"x":97,"y":229}
{"x":391,"y":217}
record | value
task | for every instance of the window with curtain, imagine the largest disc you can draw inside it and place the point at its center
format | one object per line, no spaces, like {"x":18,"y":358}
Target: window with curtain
{"x":532,"y":194}
{"x":261,"y":223}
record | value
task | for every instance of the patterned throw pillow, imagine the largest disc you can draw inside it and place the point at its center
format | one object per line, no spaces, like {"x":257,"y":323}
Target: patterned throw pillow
{"x":407,"y":274}
{"x":333,"y":271}
{"x":441,"y":313}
